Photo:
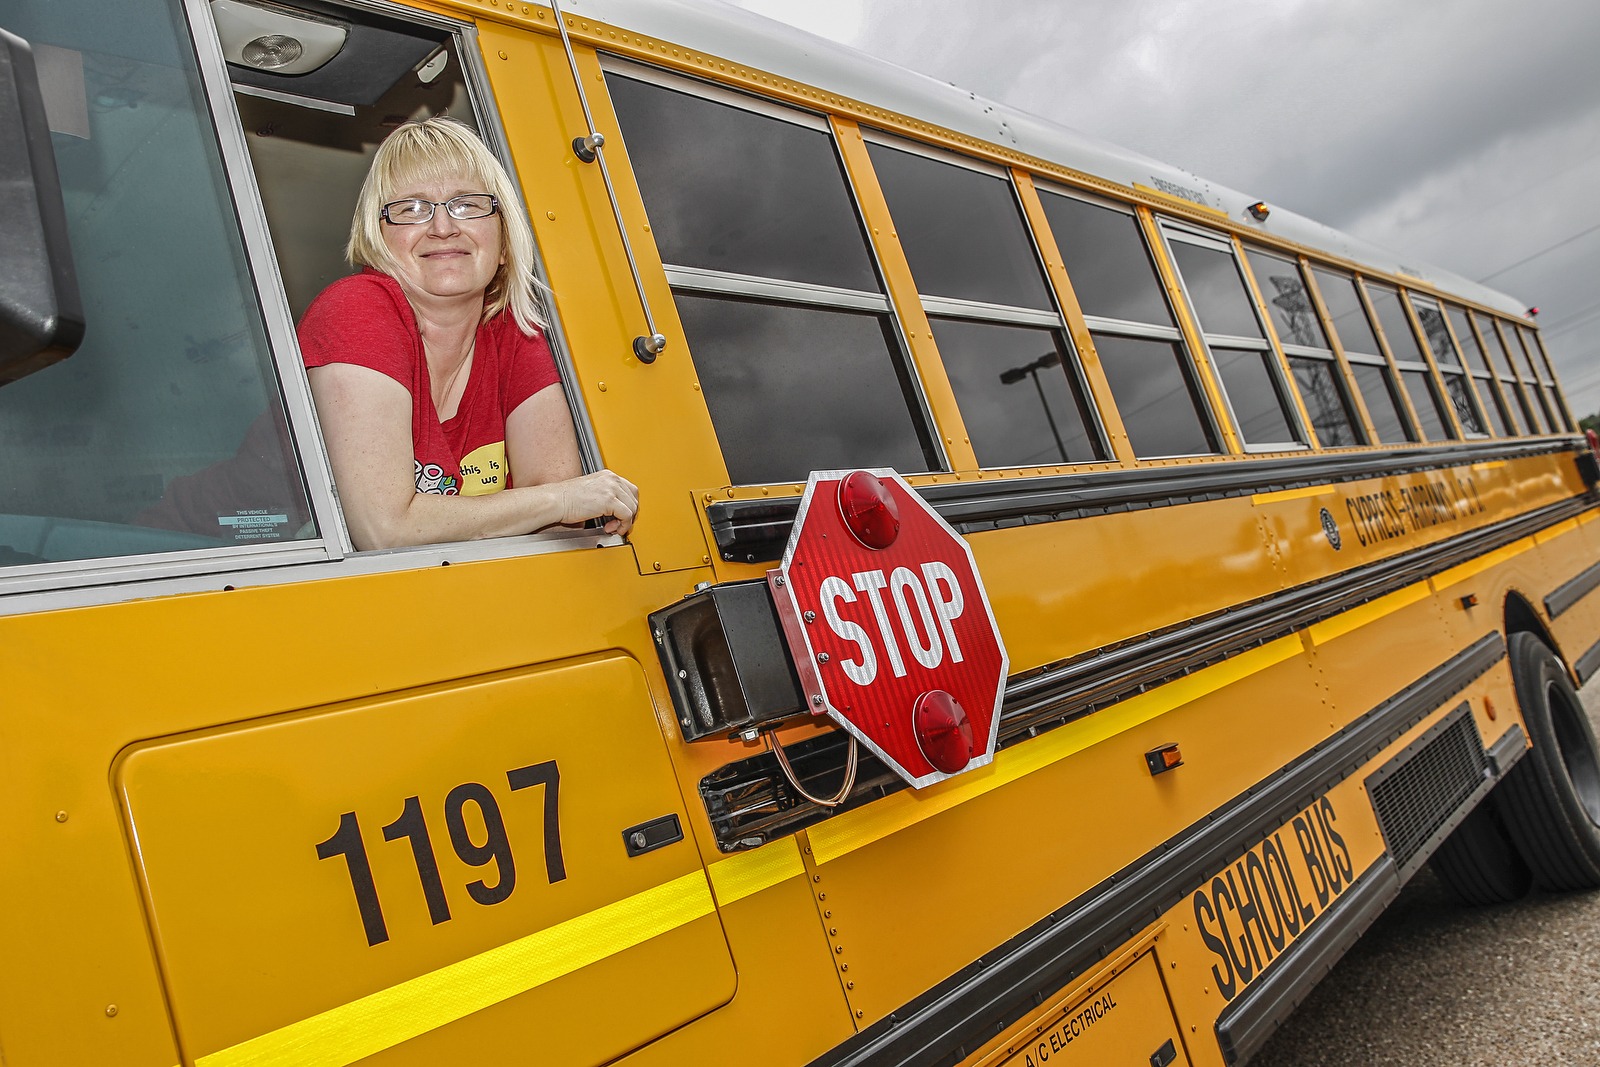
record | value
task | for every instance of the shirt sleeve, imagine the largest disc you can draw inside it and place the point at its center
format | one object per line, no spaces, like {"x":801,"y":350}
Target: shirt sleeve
{"x":532,"y":367}
{"x":358,"y":320}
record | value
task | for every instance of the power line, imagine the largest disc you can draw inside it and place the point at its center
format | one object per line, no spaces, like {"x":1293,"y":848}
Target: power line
{"x":1541,"y":252}
{"x":1573,"y":321}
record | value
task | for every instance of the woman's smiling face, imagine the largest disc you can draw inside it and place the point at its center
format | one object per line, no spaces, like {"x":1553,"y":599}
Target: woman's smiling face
{"x":444,"y":260}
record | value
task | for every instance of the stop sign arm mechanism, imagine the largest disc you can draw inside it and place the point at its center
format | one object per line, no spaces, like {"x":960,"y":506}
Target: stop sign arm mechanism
{"x":723,"y":652}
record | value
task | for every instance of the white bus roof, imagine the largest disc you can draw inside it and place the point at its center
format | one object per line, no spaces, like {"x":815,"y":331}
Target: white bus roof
{"x":733,"y":33}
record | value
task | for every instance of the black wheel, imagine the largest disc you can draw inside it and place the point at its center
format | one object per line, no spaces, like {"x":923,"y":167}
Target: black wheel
{"x":1550,"y":801}
{"x":1478,"y":864}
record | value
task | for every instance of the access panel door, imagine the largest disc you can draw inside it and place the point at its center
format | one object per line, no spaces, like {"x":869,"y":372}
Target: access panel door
{"x":457,"y":874}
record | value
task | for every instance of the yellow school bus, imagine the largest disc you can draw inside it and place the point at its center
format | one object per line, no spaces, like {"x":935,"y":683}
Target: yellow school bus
{"x":1290,"y":543}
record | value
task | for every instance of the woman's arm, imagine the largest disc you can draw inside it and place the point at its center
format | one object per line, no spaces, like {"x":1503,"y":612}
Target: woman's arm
{"x":542,"y":449}
{"x":366,"y":425}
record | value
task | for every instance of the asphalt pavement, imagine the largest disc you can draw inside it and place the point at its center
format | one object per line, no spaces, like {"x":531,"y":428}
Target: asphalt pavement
{"x":1434,"y":983}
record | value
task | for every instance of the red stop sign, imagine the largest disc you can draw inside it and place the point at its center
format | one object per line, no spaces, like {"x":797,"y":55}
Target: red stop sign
{"x":889,"y":625}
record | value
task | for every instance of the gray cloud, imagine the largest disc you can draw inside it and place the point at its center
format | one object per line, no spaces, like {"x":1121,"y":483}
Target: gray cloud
{"x":1464,"y":133}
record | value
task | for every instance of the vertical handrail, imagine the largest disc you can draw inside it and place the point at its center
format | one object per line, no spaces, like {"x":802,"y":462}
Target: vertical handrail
{"x":590,"y":148}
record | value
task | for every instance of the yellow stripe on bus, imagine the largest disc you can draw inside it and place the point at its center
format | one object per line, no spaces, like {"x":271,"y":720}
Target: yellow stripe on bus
{"x":845,"y":833}
{"x":1291,"y":494}
{"x":739,"y":876}
{"x":1445,"y":579}
{"x":1355,"y":618}
{"x":384,"y":1019}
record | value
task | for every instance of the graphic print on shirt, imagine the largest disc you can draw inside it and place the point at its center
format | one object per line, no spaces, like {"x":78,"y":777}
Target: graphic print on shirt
{"x":431,"y":478}
{"x":483,"y":470}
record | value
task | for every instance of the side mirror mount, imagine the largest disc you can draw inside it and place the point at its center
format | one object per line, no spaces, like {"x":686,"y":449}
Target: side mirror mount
{"x":41,"y":313}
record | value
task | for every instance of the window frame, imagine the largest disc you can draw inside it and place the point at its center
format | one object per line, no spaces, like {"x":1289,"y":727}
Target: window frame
{"x":1441,"y":407}
{"x":702,"y":281}
{"x":1417,"y":302}
{"x":1530,"y":411}
{"x":1144,"y":331}
{"x":1355,"y":357}
{"x":1288,"y":350}
{"x":80,"y":583}
{"x":1498,"y":410}
{"x":1288,"y":397}
{"x":1055,"y":320}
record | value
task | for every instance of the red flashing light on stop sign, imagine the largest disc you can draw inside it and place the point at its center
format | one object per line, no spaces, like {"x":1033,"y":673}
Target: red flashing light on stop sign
{"x":869,"y":510}
{"x":944,"y":733}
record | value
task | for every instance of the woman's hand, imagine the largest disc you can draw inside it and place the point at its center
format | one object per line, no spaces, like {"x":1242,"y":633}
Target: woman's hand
{"x":601,"y":495}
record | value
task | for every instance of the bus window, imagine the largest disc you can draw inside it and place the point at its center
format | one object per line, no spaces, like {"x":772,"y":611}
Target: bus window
{"x":1500,"y":351}
{"x":1362,"y":351}
{"x":1135,"y":334}
{"x":784,"y":313}
{"x":1246,"y":364}
{"x":1559,"y":419}
{"x":1449,"y":364}
{"x":1478,"y":367}
{"x":166,"y":431}
{"x":1409,"y":360}
{"x":999,"y":334}
{"x":1311,"y":359}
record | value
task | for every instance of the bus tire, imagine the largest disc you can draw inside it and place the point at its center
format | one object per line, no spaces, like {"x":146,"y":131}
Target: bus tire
{"x":1478,"y":864}
{"x":1550,"y":801}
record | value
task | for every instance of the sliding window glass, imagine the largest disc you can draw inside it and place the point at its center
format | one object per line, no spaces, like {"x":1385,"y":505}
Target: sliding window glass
{"x":1252,"y":381}
{"x":1305,"y":345}
{"x":783,"y":309}
{"x":1494,"y":401}
{"x":1448,"y":361}
{"x":1135,"y":334}
{"x":1374,"y":377}
{"x":1003,"y":342}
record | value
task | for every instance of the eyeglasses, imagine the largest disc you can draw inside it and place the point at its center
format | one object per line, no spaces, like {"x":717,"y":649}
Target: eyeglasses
{"x":415,"y":212}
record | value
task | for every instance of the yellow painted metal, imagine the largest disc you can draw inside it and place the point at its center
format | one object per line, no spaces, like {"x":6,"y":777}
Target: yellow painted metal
{"x":225,"y":826}
{"x":1094,"y":371}
{"x":1124,"y":1017}
{"x":960,"y":844}
{"x":1300,"y":870}
{"x":903,"y":295}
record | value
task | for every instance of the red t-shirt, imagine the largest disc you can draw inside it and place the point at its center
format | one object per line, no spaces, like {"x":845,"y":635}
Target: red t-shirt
{"x":366,"y":320}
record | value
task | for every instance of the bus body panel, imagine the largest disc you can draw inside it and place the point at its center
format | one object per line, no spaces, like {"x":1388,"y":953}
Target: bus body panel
{"x":272,"y":816}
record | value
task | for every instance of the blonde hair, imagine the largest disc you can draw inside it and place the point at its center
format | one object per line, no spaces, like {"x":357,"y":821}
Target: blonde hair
{"x":440,"y":149}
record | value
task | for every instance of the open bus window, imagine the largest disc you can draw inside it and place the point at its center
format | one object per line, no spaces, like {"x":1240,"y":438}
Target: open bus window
{"x":1244,"y":361}
{"x":1000,"y":336}
{"x":165,"y":431}
{"x":312,"y":136}
{"x":1373,"y":376}
{"x":783,"y":310}
{"x":1136,"y":337}
{"x":1305,"y":345}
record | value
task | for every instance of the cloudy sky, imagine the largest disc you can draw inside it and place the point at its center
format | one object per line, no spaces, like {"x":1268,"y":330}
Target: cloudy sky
{"x":1465,"y":133}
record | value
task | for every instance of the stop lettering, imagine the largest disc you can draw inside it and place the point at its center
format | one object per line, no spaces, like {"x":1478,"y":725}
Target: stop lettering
{"x":891,"y":629}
